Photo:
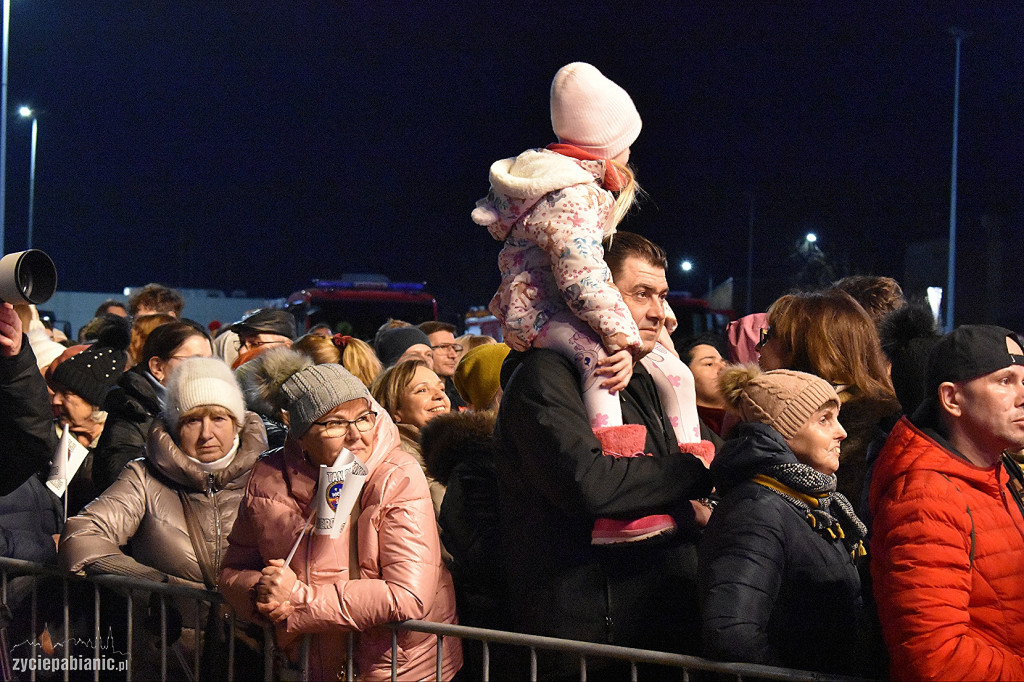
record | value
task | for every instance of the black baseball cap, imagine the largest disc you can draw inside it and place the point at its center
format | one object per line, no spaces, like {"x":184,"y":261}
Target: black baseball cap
{"x":968,"y":352}
{"x":266,"y":321}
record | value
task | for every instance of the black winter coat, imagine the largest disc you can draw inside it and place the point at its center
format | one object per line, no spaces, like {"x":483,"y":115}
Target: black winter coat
{"x":459,"y":452}
{"x":554,"y":482}
{"x":773,"y":590}
{"x":131,"y":406}
{"x":27,"y":436}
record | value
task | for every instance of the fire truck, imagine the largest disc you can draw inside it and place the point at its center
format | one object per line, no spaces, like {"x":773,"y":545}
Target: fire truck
{"x":357,"y":304}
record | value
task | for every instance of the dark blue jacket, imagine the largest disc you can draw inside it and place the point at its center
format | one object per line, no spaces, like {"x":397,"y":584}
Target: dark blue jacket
{"x":773,"y":590}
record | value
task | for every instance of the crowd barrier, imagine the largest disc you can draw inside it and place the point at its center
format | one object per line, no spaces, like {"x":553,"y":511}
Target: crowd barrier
{"x":90,"y":649}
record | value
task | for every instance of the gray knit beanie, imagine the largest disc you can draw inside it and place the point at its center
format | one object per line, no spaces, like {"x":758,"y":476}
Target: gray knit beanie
{"x":202,"y":381}
{"x":782,"y":399}
{"x":314,"y":391}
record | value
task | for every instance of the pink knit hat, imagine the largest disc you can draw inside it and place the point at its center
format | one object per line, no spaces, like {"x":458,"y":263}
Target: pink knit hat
{"x":591,"y":112}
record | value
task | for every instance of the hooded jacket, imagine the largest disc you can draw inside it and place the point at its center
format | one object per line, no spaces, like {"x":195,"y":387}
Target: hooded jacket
{"x":552,"y":214}
{"x":947,"y":555}
{"x":401,"y":573}
{"x":131,"y":407}
{"x":459,"y":451}
{"x":143,"y":506}
{"x":766,"y":575}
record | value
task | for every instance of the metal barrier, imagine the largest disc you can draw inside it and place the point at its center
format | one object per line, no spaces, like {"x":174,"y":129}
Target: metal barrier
{"x":103,"y":662}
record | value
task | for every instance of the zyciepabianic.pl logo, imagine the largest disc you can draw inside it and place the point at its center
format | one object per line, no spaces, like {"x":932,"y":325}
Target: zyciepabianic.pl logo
{"x":81,"y":655}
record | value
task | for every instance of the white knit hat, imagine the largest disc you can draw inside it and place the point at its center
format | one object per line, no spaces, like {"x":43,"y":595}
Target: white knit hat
{"x":202,"y":381}
{"x":591,"y":112}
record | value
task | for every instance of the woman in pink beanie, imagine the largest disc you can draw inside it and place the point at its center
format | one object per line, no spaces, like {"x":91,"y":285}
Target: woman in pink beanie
{"x":552,"y":208}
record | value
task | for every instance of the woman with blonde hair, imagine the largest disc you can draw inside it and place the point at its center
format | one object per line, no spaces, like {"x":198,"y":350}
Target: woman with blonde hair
{"x":353,"y":354}
{"x":827,"y":333}
{"x":413,"y":395}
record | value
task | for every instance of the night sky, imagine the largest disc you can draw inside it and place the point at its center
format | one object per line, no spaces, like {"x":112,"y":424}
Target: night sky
{"x":257,"y":145}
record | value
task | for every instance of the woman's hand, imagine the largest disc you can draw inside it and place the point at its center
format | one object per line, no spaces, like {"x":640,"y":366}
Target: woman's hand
{"x":618,"y":367}
{"x":275,"y":584}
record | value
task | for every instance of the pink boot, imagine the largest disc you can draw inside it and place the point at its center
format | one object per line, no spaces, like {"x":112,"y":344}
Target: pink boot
{"x":627,"y":440}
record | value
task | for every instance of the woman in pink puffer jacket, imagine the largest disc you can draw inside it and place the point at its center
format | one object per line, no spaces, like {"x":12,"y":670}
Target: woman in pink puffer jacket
{"x":400,"y":572}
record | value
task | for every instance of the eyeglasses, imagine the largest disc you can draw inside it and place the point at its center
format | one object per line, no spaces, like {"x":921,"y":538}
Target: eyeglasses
{"x":338,"y":428}
{"x":457,"y":347}
{"x":240,"y":344}
{"x":766,"y":333}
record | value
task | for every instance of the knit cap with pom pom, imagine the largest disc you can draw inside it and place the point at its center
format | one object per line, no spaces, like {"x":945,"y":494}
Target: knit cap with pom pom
{"x":782,"y":399}
{"x":289,"y":380}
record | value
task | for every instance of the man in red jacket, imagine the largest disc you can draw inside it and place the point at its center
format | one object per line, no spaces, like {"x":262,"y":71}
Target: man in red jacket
{"x":948,"y":533}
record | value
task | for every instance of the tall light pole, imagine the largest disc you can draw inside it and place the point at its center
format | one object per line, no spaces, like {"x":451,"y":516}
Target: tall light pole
{"x":3,"y":121}
{"x":958,"y":36}
{"x":26,"y":112}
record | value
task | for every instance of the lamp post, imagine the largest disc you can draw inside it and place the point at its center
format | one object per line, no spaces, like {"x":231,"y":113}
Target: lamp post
{"x":27,"y":112}
{"x":958,"y":36}
{"x":3,"y":119}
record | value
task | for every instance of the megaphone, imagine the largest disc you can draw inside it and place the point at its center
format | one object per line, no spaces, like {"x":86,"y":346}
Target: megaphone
{"x":27,"y":277}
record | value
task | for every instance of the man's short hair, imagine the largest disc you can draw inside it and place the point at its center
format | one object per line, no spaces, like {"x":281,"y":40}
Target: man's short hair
{"x":108,"y":304}
{"x":431,"y":326}
{"x":157,"y":297}
{"x":623,"y":245}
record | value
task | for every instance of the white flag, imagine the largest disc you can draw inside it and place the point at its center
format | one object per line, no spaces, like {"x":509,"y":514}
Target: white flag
{"x":337,"y":492}
{"x":67,"y":459}
{"x":58,"y":478}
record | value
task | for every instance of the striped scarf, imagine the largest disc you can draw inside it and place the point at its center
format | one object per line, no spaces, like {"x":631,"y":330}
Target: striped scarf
{"x":829,"y":513}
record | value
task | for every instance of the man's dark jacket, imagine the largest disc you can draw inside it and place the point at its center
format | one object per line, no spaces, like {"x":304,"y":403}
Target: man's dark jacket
{"x":554,"y":482}
{"x":27,"y":436}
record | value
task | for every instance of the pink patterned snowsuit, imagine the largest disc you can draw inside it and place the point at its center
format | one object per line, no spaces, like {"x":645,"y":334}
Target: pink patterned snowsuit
{"x":552,"y":213}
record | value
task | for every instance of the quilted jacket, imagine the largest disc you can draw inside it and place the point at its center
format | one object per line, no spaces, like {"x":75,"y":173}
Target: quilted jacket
{"x":947,"y":562}
{"x":552,"y":214}
{"x":143,"y":507}
{"x":401,"y":572}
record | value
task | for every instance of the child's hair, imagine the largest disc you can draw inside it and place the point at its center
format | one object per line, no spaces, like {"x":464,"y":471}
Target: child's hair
{"x":627,"y":195}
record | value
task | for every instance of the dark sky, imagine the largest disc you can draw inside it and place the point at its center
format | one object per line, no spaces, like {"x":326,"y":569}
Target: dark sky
{"x":257,"y":145}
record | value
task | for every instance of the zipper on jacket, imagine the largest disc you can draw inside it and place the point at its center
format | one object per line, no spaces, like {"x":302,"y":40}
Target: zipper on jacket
{"x":216,"y":527}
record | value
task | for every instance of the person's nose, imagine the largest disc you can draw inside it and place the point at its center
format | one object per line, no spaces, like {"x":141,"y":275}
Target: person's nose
{"x":841,"y":433}
{"x":656,"y":311}
{"x":206,"y":433}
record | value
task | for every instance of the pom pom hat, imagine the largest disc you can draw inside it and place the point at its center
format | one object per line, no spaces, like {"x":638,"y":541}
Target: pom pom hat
{"x":199,"y":382}
{"x":316,"y":390}
{"x":782,"y":399}
{"x":591,"y":112}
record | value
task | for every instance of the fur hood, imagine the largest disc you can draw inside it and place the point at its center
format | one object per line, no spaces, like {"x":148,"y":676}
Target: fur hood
{"x":519,"y":182}
{"x":450,"y":439}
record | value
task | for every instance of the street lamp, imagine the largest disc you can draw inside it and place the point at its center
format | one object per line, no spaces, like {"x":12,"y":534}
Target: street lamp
{"x":26,"y":112}
{"x":811,"y":237}
{"x":3,"y":117}
{"x":686,"y":266}
{"x":958,"y":36}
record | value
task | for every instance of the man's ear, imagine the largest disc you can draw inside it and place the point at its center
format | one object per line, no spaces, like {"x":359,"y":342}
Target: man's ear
{"x":950,"y":399}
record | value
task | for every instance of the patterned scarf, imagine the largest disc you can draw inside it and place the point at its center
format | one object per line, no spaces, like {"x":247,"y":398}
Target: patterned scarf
{"x":828,"y":512}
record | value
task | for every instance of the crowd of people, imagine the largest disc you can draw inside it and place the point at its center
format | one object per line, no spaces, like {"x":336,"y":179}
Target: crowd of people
{"x":831,"y":485}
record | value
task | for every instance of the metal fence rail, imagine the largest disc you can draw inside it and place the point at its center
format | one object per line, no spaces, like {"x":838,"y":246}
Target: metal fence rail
{"x":101,"y":664}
